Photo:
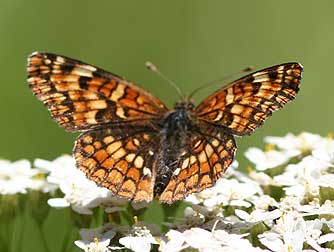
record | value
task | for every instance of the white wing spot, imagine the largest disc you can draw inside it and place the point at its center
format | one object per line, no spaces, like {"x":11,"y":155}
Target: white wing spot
{"x":176,"y":172}
{"x":229,"y":96}
{"x":89,"y":68}
{"x":82,"y":72}
{"x":139,"y":161}
{"x":147,"y":172}
{"x":260,"y":78}
{"x":60,"y":59}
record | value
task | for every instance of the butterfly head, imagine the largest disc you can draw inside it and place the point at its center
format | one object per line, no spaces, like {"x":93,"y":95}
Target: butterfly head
{"x":185,"y":103}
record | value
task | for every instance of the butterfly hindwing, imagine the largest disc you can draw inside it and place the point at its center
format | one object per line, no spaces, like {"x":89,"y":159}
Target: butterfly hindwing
{"x":243,"y":105}
{"x":120,"y":159}
{"x":80,"y":96}
{"x":210,"y":152}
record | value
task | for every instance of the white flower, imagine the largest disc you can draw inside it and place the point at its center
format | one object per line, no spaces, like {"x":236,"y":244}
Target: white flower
{"x":79,"y":192}
{"x":202,"y":240}
{"x":138,"y":244}
{"x":226,"y":192}
{"x":266,"y":160}
{"x":234,"y":242}
{"x":139,"y":240}
{"x":325,"y":238}
{"x":289,"y":203}
{"x":294,"y":145}
{"x":18,"y":177}
{"x":302,"y":179}
{"x":326,"y":180}
{"x":272,"y":241}
{"x":325,"y":152}
{"x":15,"y":177}
{"x":259,"y":215}
{"x":175,"y":242}
{"x":262,"y":179}
{"x":95,"y":240}
{"x":217,"y":240}
{"x":314,"y":208}
{"x":292,"y":231}
{"x":263,"y":202}
{"x":287,"y":235}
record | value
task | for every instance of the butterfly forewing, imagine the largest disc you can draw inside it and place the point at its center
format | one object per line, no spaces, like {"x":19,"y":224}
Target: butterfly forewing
{"x":80,"y":96}
{"x":243,"y":105}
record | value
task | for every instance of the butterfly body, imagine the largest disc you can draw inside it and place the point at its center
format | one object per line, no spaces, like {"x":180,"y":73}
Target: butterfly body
{"x":133,"y":145}
{"x":174,"y":138}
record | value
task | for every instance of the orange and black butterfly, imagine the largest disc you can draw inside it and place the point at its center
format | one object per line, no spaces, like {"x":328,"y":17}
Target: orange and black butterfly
{"x":132,"y":144}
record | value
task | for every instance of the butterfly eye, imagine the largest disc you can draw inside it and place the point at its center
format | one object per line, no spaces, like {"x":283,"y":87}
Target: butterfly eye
{"x":190,"y":106}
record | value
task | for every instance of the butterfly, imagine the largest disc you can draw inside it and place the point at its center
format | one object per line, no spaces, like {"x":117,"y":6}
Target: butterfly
{"x":132,"y":144}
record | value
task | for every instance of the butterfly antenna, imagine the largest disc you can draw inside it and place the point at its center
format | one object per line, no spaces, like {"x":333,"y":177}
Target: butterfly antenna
{"x":154,"y":69}
{"x":246,"y":70}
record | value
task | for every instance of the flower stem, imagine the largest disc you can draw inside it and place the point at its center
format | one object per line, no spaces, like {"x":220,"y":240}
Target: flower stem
{"x":43,"y":238}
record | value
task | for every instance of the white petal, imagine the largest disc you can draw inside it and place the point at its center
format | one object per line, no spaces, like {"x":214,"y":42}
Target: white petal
{"x":272,"y":241}
{"x":174,"y":243}
{"x":58,"y":203}
{"x":138,"y":244}
{"x":326,"y":238}
{"x":195,"y":237}
{"x":242,"y":214}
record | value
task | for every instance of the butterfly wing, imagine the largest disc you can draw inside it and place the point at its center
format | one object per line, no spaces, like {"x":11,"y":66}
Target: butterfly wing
{"x":209,"y":153}
{"x":118,"y":119}
{"x":80,"y":96}
{"x":119,"y":158}
{"x":237,"y":109}
{"x":243,"y":105}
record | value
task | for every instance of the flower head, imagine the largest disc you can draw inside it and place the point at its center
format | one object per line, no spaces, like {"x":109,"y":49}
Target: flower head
{"x":79,"y":192}
{"x":19,"y":177}
{"x":96,"y":240}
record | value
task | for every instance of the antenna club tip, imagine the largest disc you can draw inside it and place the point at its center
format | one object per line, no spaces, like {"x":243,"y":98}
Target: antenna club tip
{"x":149,"y":65}
{"x":249,"y":68}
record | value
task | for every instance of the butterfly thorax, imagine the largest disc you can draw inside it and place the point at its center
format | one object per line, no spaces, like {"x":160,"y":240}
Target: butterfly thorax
{"x":176,"y":128}
{"x":184,"y":103}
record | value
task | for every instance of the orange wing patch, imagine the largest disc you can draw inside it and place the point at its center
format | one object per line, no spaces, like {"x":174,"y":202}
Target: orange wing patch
{"x":119,"y":159}
{"x":80,"y":96}
{"x":210,"y":154}
{"x":243,"y":105}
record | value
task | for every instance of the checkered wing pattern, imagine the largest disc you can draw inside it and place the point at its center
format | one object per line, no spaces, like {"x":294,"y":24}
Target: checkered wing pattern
{"x":134,"y":146}
{"x":210,"y":152}
{"x":81,"y":97}
{"x":120,"y":159}
{"x":243,"y":105}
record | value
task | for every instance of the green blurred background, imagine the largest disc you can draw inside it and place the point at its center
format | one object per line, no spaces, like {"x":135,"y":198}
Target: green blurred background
{"x":193,"y":42}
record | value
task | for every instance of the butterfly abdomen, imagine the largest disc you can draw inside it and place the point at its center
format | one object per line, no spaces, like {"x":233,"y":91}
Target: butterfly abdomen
{"x":174,"y":140}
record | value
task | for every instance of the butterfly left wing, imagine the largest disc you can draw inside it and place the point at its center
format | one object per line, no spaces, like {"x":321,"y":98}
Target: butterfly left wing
{"x":119,"y":158}
{"x":81,"y":96}
{"x":242,"y":106}
{"x":209,"y":153}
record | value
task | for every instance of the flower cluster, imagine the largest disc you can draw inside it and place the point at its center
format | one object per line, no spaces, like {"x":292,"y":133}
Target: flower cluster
{"x":285,"y":202}
{"x":19,"y":177}
{"x":78,"y":192}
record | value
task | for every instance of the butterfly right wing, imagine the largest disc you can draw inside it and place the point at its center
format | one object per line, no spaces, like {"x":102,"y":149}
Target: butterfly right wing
{"x":80,"y":96}
{"x":208,"y":154}
{"x":243,"y":105}
{"x":119,"y":158}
